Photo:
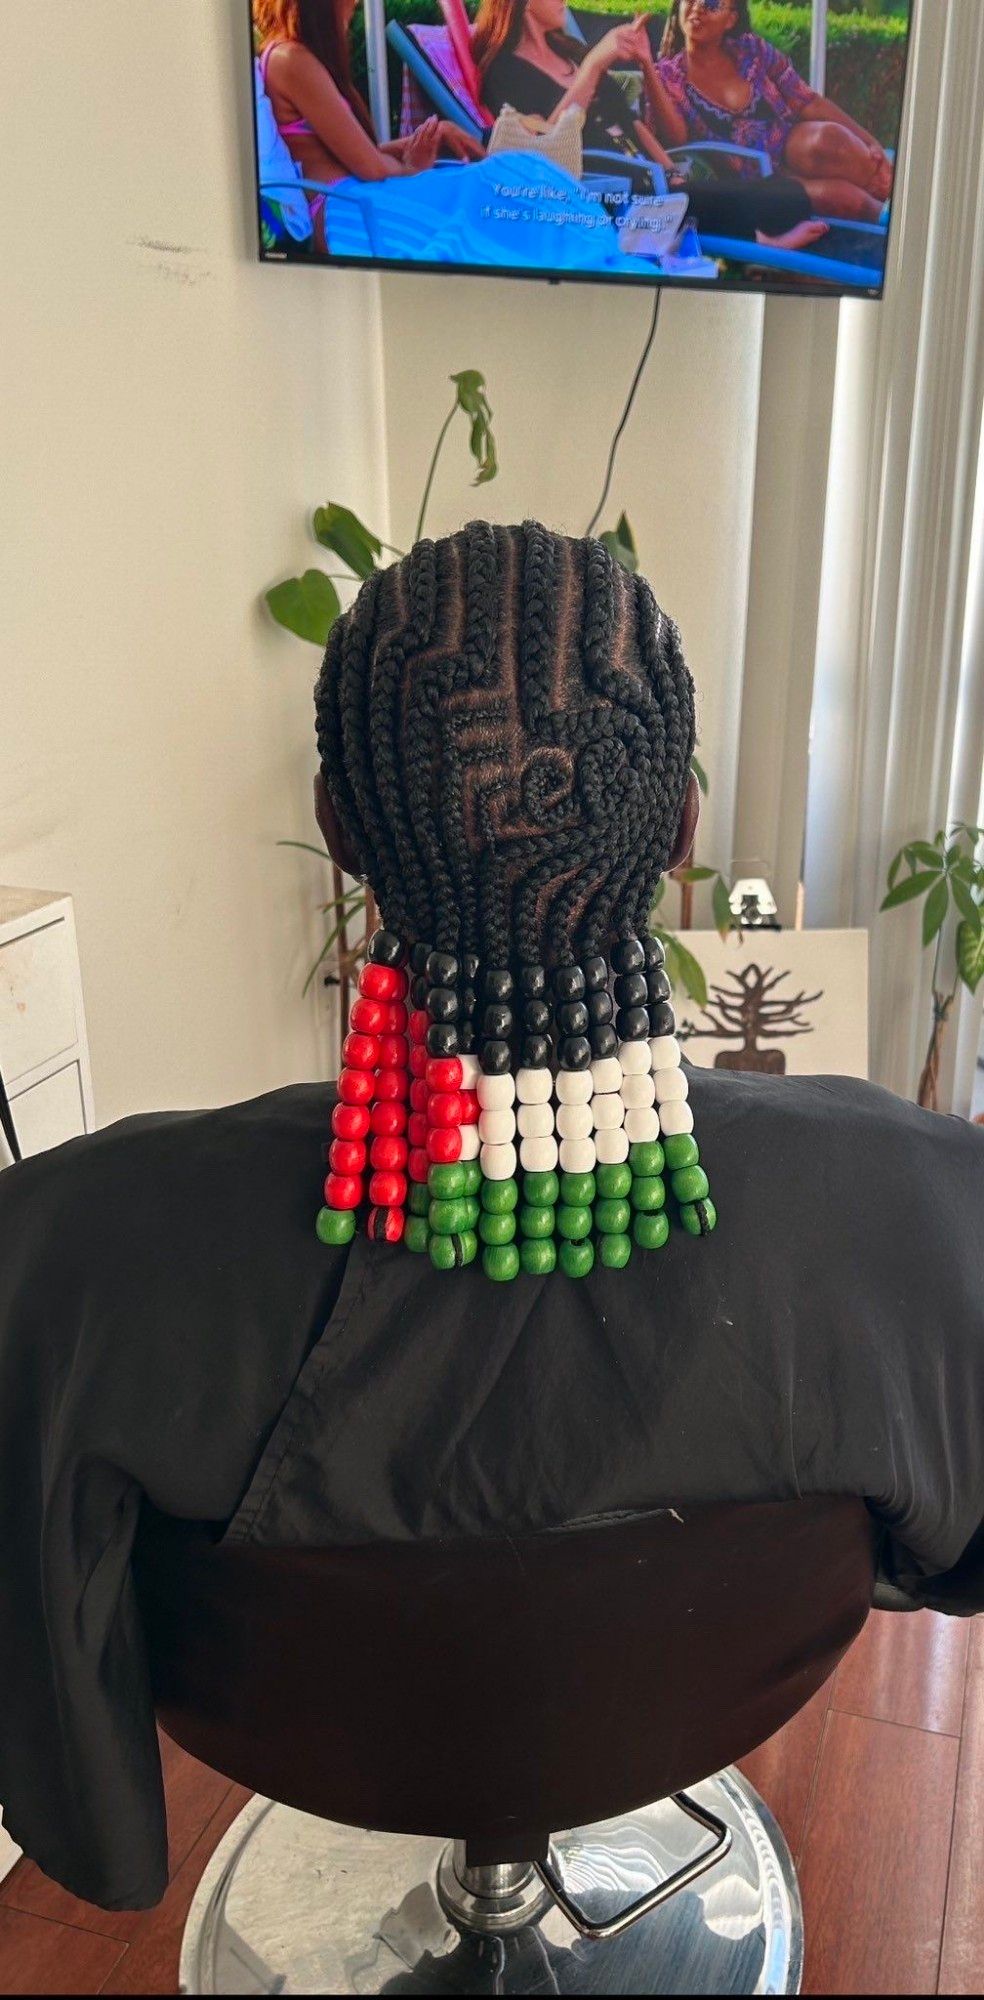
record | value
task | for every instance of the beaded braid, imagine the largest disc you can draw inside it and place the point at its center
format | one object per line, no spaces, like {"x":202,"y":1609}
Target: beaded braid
{"x":506,"y":724}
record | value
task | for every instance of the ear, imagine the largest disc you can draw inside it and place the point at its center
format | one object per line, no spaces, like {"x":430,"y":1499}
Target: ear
{"x":687,"y":830}
{"x":335,"y":838}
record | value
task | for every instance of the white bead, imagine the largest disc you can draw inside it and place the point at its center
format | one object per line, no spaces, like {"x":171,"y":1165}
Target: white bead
{"x":534,"y":1086}
{"x":664,"y":1051}
{"x":671,"y":1086}
{"x":638,"y":1092}
{"x":574,"y":1121}
{"x":536,"y":1121}
{"x":496,"y":1093}
{"x":675,"y":1118}
{"x":539,"y":1156}
{"x":577,"y":1156}
{"x":612,"y":1147}
{"x":641,"y":1125}
{"x":471,"y":1070}
{"x":634,"y":1057}
{"x":469,"y":1142}
{"x":607,"y":1111}
{"x":606,"y":1075}
{"x":498,"y":1162}
{"x":496,"y":1128}
{"x":574,"y":1086}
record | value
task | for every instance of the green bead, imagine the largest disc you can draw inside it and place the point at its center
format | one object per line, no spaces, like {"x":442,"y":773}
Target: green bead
{"x":574,"y":1223}
{"x":648,"y":1193}
{"x":448,"y":1218}
{"x":468,"y":1246}
{"x":447,"y":1182}
{"x":536,"y":1223}
{"x":699,"y":1217}
{"x":614,"y":1182}
{"x":681,"y":1151}
{"x":612,"y":1217}
{"x":499,"y":1197}
{"x":415,"y":1232}
{"x":541,"y":1190}
{"x":335,"y":1225}
{"x":419,"y":1200}
{"x":447,"y":1252}
{"x":690,"y":1184}
{"x":497,"y":1228}
{"x":473,"y":1176}
{"x":576,"y":1259}
{"x":470,"y":1204}
{"x":615,"y":1251}
{"x":577,"y":1190}
{"x":501,"y":1262}
{"x":538,"y":1257}
{"x":646,"y":1158}
{"x":650,"y":1231}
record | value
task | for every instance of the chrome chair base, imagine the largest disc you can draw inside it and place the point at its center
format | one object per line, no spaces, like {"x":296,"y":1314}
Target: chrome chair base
{"x":292,"y":1904}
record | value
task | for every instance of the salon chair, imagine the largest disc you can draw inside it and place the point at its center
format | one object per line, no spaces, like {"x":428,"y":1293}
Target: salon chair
{"x":501,"y":1714}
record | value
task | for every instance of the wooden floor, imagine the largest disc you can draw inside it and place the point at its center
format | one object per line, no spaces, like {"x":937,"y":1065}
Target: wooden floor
{"x":878,"y":1784}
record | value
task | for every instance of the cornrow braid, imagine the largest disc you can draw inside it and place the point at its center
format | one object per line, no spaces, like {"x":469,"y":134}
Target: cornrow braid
{"x":505,"y":722}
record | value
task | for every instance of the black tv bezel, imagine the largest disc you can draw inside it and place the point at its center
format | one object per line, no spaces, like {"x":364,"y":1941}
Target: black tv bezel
{"x":789,"y":288}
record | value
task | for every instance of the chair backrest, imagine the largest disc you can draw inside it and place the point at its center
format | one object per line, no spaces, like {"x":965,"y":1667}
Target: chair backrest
{"x":433,"y":80}
{"x":498,"y":1690}
{"x":459,"y":30}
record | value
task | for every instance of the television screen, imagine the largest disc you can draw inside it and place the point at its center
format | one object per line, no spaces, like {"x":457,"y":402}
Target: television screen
{"x":746,"y":144}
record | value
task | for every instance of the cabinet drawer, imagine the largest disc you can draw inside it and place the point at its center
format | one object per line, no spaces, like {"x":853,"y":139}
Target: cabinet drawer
{"x":37,"y":1000}
{"x":49,"y":1112}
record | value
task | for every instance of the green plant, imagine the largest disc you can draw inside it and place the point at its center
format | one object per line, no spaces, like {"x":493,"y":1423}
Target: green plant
{"x":948,"y":872}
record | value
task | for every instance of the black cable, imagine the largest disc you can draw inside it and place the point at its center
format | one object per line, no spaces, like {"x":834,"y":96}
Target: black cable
{"x":7,"y":1126}
{"x":627,"y":411}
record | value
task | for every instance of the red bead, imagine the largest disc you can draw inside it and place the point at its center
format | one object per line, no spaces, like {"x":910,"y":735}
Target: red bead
{"x":392,"y":1083}
{"x":347,"y":1156}
{"x":388,"y":1190}
{"x":380,"y":982}
{"x":343,"y":1191}
{"x":469,"y":1107}
{"x":418,"y":1165}
{"x":418,"y":1059}
{"x":388,"y":1118}
{"x":388,"y":1153}
{"x":369,"y":1017}
{"x":419,"y":1094}
{"x":350,"y":1121}
{"x":444,"y":1073}
{"x":394,"y":1052}
{"x":444,"y":1108}
{"x":356,"y":1086}
{"x":361,"y":1051}
{"x":385,"y":1225}
{"x":417,"y":1128}
{"x":397,"y":1018}
{"x":443,"y":1146}
{"x":419,"y":1024}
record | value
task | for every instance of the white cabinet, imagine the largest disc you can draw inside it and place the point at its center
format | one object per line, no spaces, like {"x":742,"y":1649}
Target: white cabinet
{"x":44,"y":1057}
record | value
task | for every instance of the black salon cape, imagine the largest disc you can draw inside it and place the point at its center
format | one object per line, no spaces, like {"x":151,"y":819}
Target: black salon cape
{"x":170,"y":1327}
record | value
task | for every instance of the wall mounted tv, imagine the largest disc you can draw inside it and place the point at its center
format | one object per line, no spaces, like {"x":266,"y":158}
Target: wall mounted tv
{"x":744,"y":144}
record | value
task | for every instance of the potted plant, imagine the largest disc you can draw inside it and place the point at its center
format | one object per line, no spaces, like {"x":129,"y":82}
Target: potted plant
{"x":948,"y":872}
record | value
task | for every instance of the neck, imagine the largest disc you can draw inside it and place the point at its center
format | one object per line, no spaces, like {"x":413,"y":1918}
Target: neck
{"x":708,"y":57}
{"x":534,"y":40}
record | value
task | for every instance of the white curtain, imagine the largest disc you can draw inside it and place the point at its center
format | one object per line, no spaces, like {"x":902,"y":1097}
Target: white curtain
{"x":897,"y":740}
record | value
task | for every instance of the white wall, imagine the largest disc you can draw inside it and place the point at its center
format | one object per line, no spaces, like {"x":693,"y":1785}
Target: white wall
{"x":558,"y":361}
{"x":169,"y":410}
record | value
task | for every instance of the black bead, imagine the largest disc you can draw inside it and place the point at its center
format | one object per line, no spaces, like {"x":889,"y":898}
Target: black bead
{"x":469,"y":966}
{"x":632,"y":1024}
{"x":495,"y":1058}
{"x":419,"y":989}
{"x":466,"y":1038}
{"x":419,"y":954}
{"x":631,"y":990}
{"x":568,"y":982}
{"x":662,"y":1020}
{"x":604,"y":1041}
{"x":499,"y":983}
{"x":385,"y":948}
{"x":595,"y":974}
{"x":628,"y":955}
{"x":533,"y":981}
{"x":657,"y":986}
{"x":654,"y":954}
{"x":442,"y":1039}
{"x":442,"y":1003}
{"x":469,"y":1000}
{"x":535,"y":1051}
{"x":497,"y":1021}
{"x":536,"y":1017}
{"x":575,"y":1052}
{"x":572,"y":1018}
{"x":442,"y":968}
{"x":600,"y":1009}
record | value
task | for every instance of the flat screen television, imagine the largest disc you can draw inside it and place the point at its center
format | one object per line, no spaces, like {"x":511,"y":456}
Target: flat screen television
{"x":743,"y":144}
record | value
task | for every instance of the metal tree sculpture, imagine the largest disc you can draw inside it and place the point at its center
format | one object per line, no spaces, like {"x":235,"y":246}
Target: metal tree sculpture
{"x":751,"y":1013}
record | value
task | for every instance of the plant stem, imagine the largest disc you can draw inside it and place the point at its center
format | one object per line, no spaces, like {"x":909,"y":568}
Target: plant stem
{"x":442,"y":434}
